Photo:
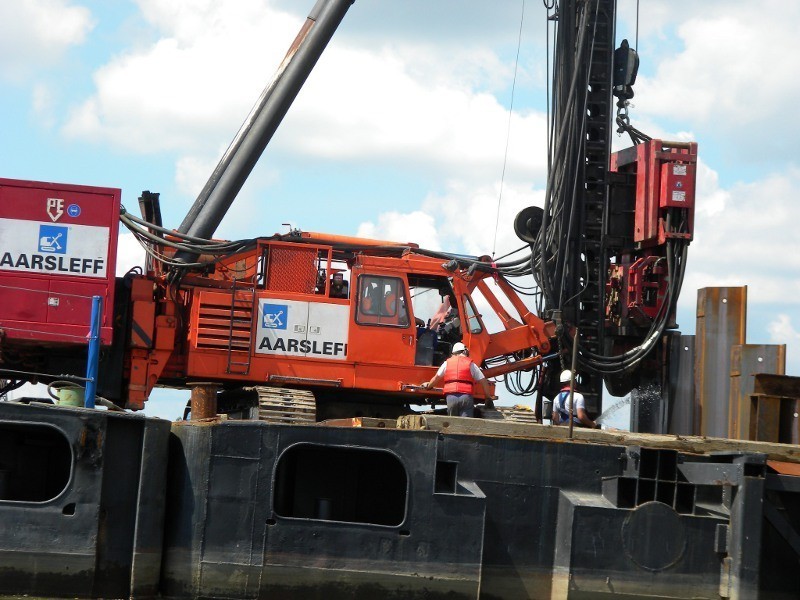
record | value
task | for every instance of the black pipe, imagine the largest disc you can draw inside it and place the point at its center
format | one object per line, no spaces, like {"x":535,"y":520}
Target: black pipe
{"x":255,"y":133}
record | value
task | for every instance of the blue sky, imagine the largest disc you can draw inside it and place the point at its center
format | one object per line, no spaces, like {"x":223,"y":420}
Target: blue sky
{"x":401,"y":129}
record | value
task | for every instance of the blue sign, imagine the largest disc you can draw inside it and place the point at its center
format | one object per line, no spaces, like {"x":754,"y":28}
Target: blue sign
{"x":274,"y":316}
{"x":53,"y":239}
{"x":73,"y":210}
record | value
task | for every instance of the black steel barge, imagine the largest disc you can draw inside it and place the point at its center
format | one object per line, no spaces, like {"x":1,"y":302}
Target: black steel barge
{"x":95,"y":504}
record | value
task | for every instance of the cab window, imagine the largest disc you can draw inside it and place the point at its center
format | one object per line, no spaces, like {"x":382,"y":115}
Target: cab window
{"x":473,"y":318}
{"x":381,"y":301}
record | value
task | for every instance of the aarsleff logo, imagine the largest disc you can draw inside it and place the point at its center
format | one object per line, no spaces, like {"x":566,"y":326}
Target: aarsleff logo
{"x":53,"y":239}
{"x":274,"y":316}
{"x":303,"y":329}
{"x":37,"y":247}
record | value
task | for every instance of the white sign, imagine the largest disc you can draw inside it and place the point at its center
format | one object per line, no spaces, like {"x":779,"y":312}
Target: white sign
{"x":295,"y":328}
{"x":41,"y":247}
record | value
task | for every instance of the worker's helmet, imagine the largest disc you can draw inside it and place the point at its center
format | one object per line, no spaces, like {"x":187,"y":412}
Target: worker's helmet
{"x":566,"y":376}
{"x":458,"y":348}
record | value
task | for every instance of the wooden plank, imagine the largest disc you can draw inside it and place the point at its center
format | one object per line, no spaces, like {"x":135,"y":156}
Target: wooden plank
{"x":514,"y":414}
{"x":689,"y":444}
{"x":360,"y":422}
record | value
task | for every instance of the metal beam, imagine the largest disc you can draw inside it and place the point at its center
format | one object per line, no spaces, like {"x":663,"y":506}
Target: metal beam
{"x":681,"y":407}
{"x":746,"y":361}
{"x":721,"y":324}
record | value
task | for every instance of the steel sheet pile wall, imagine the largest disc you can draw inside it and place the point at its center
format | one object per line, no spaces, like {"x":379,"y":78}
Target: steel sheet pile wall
{"x":746,"y":361}
{"x":721,"y":324}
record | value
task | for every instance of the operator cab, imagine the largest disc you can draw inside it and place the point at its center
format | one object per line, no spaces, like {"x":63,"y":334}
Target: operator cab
{"x":437,"y":317}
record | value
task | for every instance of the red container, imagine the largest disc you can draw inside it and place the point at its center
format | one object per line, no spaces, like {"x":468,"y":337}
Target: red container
{"x":58,"y":248}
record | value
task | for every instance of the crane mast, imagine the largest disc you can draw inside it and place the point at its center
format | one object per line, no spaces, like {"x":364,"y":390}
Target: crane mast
{"x":569,"y":253}
{"x":609,"y":246}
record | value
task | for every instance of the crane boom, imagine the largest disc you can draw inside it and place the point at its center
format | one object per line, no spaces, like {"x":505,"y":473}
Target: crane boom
{"x":260,"y":125}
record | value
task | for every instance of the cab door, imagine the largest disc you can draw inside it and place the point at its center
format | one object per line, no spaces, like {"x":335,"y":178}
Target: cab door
{"x":382,"y":332}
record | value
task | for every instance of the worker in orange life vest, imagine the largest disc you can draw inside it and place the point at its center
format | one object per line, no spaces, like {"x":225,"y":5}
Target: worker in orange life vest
{"x":459,"y":375}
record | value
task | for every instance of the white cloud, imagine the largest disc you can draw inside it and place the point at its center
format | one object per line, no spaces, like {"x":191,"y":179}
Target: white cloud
{"x":415,"y":227}
{"x":192,"y":172}
{"x":189,"y":91}
{"x":35,"y":34}
{"x":468,"y":217}
{"x":463,"y":219}
{"x":732,"y":75}
{"x":711,"y":199}
{"x":782,"y":330}
{"x":129,"y":253}
{"x":192,"y":87}
{"x":744,"y":236}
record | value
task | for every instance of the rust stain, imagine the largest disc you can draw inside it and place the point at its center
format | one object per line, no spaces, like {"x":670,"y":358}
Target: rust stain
{"x":785,"y":468}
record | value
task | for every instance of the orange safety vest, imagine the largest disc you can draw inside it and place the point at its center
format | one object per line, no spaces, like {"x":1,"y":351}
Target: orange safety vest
{"x":457,"y":378}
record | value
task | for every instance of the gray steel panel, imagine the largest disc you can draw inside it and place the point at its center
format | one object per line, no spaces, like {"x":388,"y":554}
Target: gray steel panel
{"x":681,"y":413}
{"x":721,"y":324}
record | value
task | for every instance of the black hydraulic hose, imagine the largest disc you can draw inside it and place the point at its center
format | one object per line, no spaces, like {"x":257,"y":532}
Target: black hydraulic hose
{"x":562,"y":135}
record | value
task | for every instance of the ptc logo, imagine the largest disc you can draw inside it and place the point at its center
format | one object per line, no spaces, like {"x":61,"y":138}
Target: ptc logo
{"x":274,"y":316}
{"x":53,"y":239}
{"x":55,"y":208}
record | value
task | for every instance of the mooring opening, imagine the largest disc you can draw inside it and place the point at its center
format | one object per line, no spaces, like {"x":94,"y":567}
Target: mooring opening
{"x":331,"y":483}
{"x":35,"y":462}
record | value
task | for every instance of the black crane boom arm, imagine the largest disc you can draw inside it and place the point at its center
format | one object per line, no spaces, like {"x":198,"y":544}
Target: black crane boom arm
{"x":255,"y":133}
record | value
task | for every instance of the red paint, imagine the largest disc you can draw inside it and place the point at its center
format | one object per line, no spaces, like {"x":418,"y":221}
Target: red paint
{"x":55,"y":307}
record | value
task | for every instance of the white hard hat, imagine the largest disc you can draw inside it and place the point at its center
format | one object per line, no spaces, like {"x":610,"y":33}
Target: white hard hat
{"x":566,"y":376}
{"x":459,"y":347}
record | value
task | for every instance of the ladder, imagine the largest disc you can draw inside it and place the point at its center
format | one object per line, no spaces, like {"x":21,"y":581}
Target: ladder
{"x":240,"y":329}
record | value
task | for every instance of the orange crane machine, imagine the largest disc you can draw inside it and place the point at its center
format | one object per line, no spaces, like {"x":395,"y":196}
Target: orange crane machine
{"x":359,"y":323}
